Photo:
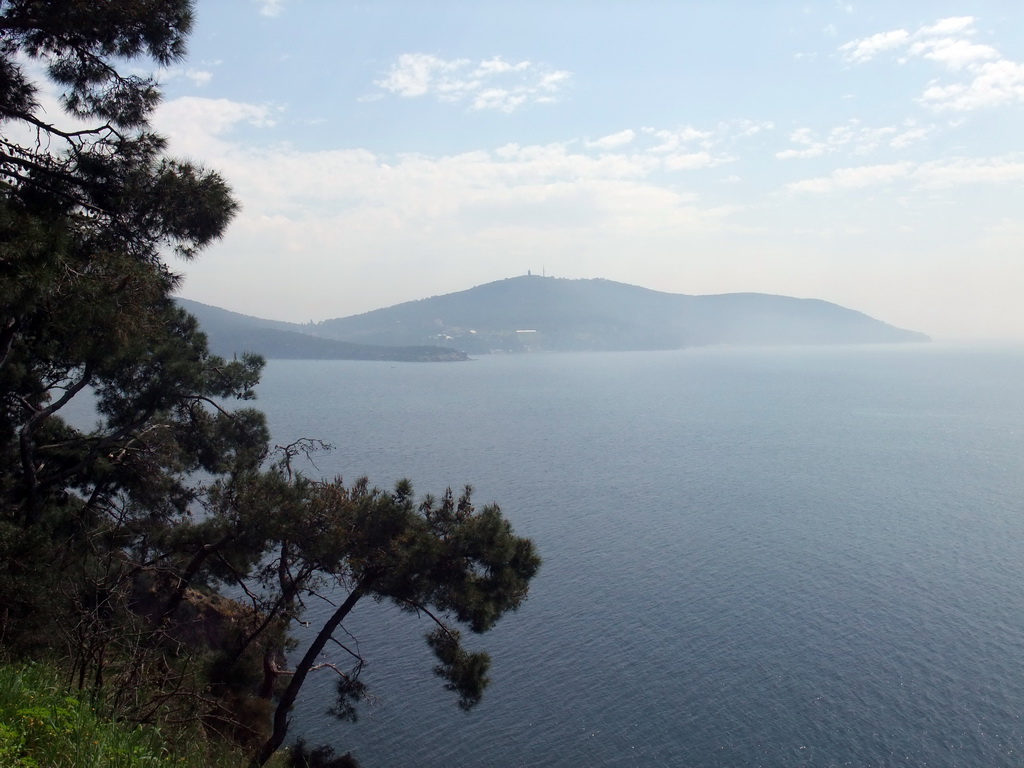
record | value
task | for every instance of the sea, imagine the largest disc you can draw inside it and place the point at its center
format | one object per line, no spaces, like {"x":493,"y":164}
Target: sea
{"x":803,"y":556}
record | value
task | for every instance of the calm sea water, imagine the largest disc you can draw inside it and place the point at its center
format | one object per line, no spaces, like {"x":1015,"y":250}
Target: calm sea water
{"x":752,"y":557}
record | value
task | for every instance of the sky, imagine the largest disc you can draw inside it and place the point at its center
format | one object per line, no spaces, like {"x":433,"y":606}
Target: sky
{"x":866,"y":153}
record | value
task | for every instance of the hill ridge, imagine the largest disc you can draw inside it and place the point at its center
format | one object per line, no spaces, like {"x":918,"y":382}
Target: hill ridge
{"x":233,"y":333}
{"x":567,"y":314}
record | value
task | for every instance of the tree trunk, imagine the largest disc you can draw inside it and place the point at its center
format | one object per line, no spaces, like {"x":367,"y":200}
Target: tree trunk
{"x":185,"y":579}
{"x":7,"y":334}
{"x":26,"y":441}
{"x":287,"y":700}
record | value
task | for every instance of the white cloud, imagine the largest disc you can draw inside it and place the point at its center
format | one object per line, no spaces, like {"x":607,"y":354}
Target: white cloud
{"x":955,"y":172}
{"x":815,"y":150}
{"x":196,"y":125}
{"x":690,"y":148}
{"x":746,"y":128}
{"x":853,"y":178}
{"x":612,"y":141}
{"x":214,"y":116}
{"x":948,"y":26}
{"x":199,"y":76}
{"x":415,"y":74}
{"x":499,"y":99}
{"x":819,"y":185}
{"x":911,"y":135}
{"x":553,"y":81}
{"x":854,"y":138}
{"x":869,"y":175}
{"x":672,"y":140}
{"x":808,"y":146}
{"x":932,"y":175}
{"x":543,"y":163}
{"x":629,"y":154}
{"x":682,"y":139}
{"x":497,"y":66}
{"x":490,"y":84}
{"x":517,"y":198}
{"x":953,"y":53}
{"x":693,"y":160}
{"x":988,"y":79}
{"x":994,"y":83}
{"x":270,"y":7}
{"x":867,"y":48}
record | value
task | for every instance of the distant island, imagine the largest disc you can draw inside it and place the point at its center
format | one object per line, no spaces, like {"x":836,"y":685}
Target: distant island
{"x":531,"y":313}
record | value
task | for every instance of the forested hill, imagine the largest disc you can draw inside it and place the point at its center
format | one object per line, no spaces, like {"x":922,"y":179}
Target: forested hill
{"x":531,"y":313}
{"x":231,"y":334}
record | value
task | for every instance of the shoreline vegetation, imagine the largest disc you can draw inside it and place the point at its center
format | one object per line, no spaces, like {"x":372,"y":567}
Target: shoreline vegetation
{"x":43,"y":723}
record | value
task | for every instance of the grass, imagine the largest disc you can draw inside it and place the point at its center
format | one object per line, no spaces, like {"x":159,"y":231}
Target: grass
{"x":42,"y":725}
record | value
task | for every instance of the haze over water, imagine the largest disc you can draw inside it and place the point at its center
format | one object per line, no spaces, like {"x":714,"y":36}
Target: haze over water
{"x":752,"y":557}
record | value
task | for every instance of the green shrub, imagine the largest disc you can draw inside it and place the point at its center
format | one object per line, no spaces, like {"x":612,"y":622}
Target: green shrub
{"x":44,"y":726}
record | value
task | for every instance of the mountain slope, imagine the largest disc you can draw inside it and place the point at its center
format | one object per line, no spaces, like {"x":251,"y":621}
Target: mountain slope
{"x":231,"y":333}
{"x":533,"y":312}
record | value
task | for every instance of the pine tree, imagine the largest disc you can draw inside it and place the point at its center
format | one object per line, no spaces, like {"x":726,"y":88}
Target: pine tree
{"x":114,"y":537}
{"x":90,"y":203}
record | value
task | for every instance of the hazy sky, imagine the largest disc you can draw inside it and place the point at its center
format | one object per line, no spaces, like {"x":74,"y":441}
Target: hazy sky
{"x":866,"y":153}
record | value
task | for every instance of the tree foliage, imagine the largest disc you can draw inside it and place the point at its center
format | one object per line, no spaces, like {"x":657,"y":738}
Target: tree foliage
{"x":118,"y":541}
